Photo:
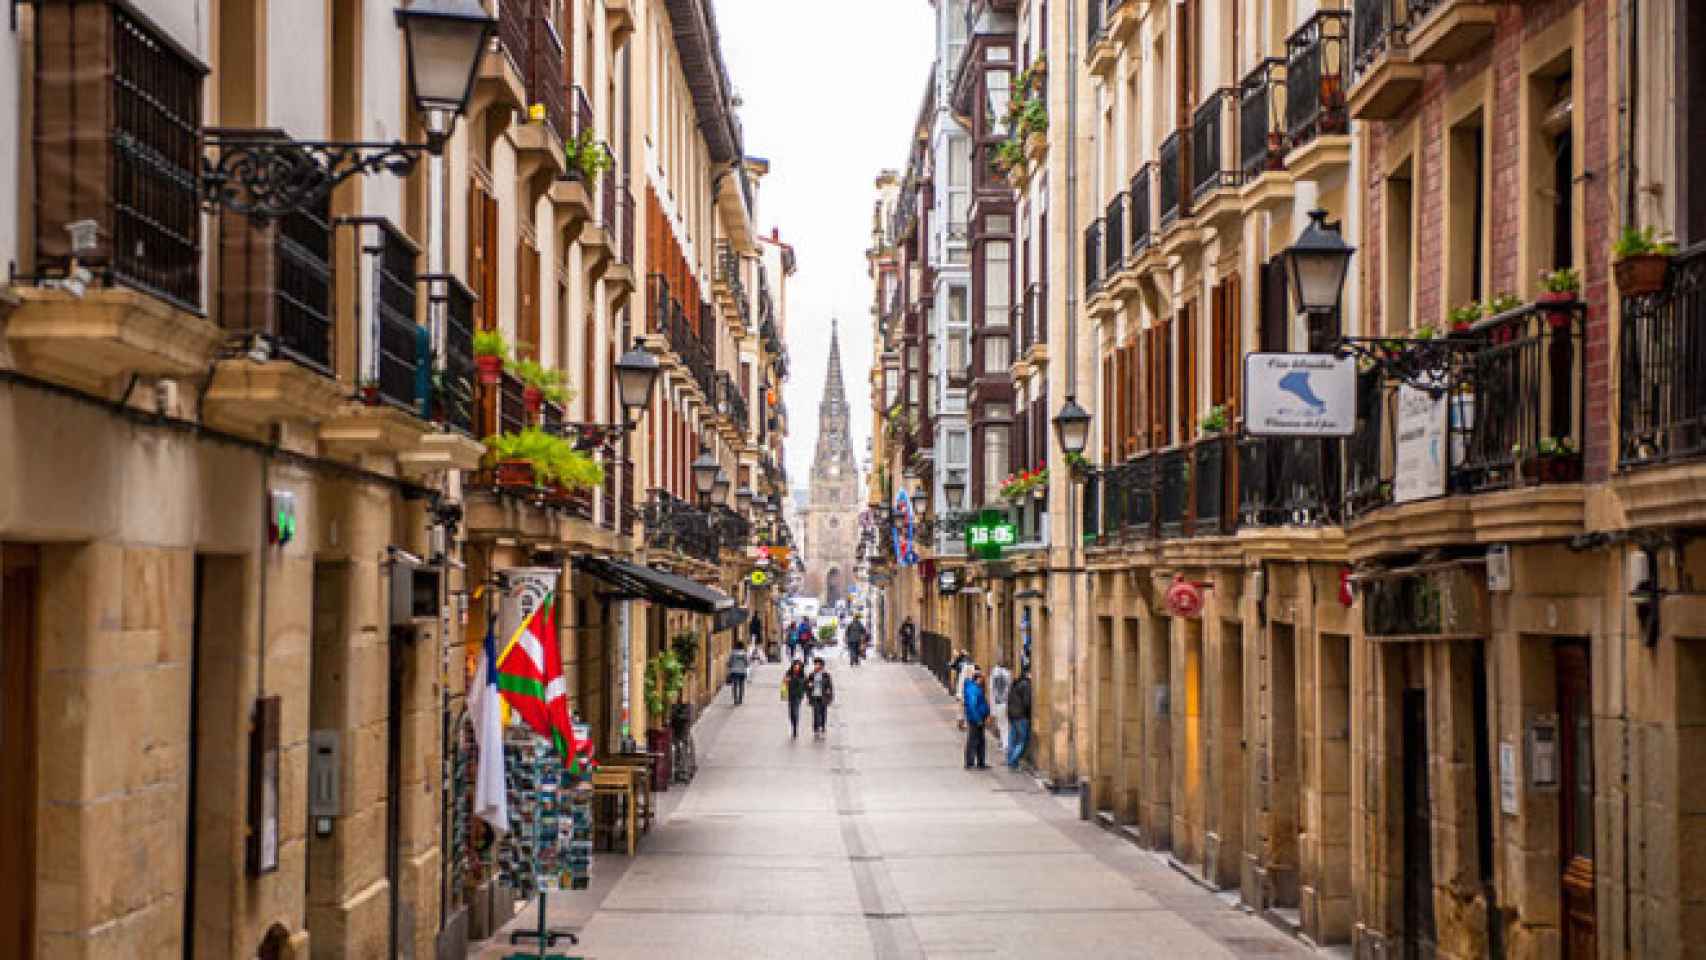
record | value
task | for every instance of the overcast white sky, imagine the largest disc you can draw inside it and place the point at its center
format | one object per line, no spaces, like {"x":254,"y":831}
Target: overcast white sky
{"x":830,"y":92}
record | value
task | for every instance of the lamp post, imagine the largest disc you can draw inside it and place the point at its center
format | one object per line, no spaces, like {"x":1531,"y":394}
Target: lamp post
{"x":1316,"y":266}
{"x":955,"y":488}
{"x":720,"y":487}
{"x":705,"y":473}
{"x":1072,"y":426}
{"x":265,"y":174}
{"x":636,"y":372}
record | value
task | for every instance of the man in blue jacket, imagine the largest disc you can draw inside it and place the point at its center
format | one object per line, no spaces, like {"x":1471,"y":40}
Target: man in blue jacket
{"x":977,"y":712}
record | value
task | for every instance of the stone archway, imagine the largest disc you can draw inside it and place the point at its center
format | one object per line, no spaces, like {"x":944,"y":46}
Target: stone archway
{"x":834,"y":589}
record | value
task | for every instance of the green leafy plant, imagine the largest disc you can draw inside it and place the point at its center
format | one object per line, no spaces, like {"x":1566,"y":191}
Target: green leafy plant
{"x":665,"y":678}
{"x":1503,"y":302}
{"x":1215,"y":420}
{"x":1033,"y":117}
{"x":1019,"y":485}
{"x":685,"y":646}
{"x":1466,"y":316}
{"x":1079,"y":463}
{"x":826,"y":633}
{"x":1557,"y":447}
{"x":1562,"y":280}
{"x":490,"y":343}
{"x":1010,"y":155}
{"x":1426,"y":332}
{"x":587,"y":157}
{"x":551,"y":383}
{"x":554,"y":460}
{"x":1635,"y":241}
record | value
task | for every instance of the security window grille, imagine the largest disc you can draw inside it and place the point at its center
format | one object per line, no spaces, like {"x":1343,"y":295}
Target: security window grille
{"x":397,"y":337}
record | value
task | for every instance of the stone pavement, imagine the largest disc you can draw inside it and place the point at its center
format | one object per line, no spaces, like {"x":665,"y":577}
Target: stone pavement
{"x":878,"y":843}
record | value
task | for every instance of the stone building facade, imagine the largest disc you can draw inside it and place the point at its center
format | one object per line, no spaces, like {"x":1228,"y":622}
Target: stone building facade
{"x":225,"y":447}
{"x":1413,"y":707}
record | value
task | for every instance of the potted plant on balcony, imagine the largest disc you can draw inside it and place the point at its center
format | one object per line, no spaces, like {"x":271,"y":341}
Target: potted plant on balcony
{"x":1639,"y":261}
{"x":1559,"y":288}
{"x":520,"y":460}
{"x":369,"y":391}
{"x":569,"y":473}
{"x":587,"y":158}
{"x":664,"y":680}
{"x":1080,"y":465}
{"x":1464,"y":318}
{"x":490,"y":349}
{"x":541,"y":384}
{"x":1214,"y":422}
{"x":1559,"y":462}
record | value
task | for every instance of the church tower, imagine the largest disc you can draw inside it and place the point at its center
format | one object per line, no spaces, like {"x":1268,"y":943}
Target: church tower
{"x":832,"y":509}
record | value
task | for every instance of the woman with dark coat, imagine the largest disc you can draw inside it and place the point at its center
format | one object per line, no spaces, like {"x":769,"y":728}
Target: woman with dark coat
{"x":794,"y":691}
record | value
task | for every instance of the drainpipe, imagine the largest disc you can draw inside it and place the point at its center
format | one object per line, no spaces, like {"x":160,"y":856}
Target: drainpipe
{"x":1072,"y":545}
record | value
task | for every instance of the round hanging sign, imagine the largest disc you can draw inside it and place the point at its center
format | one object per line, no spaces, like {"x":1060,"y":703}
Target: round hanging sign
{"x":1184,"y":598}
{"x":759,"y":578}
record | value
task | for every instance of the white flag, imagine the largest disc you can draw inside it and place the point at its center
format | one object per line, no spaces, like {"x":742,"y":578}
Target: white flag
{"x":485,"y":707}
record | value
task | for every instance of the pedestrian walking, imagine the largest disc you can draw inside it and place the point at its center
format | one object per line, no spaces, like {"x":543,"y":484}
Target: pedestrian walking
{"x":908,"y":641}
{"x":857,"y":637}
{"x":737,"y":672}
{"x":1019,"y":718}
{"x":957,"y":674}
{"x":792,"y":638}
{"x":820,"y":690}
{"x":1000,"y":685}
{"x":755,"y":631}
{"x":794,"y":691}
{"x":977,"y":715}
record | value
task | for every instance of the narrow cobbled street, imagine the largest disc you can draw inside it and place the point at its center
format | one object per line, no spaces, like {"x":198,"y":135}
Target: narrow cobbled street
{"x":877,"y":843}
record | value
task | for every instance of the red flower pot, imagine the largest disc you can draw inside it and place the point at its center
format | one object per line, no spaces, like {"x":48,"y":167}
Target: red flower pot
{"x":1641,"y":274}
{"x":1557,"y":318}
{"x":513,"y":473}
{"x":533,"y":399}
{"x":370,"y":394}
{"x":491,"y":368}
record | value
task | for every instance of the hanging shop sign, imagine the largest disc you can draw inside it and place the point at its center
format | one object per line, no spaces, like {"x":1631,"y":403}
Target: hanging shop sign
{"x":1300,"y":395}
{"x":758,"y":578}
{"x":525,"y":588}
{"x":948,"y":581}
{"x":1446,"y":601}
{"x":989,"y":534}
{"x":905,"y":552}
{"x":1184,"y":599}
{"x":1418,"y":471}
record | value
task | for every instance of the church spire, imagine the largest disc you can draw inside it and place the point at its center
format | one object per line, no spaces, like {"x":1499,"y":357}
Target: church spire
{"x":834,"y":393}
{"x":834,"y":455}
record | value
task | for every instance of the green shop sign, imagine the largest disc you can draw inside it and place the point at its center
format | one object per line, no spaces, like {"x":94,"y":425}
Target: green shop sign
{"x":990,"y":533}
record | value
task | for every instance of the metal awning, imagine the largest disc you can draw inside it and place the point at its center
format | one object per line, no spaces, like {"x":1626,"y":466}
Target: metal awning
{"x":634,"y":581}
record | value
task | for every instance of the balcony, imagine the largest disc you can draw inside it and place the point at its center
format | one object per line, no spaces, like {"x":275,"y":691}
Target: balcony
{"x":1173,"y":175}
{"x":1214,"y":177}
{"x":673,"y":525}
{"x":1034,"y":323}
{"x":1100,"y":53}
{"x":1386,"y":79}
{"x":1113,"y":237}
{"x":1172,"y":491}
{"x":1213,"y":495}
{"x":1662,"y":406}
{"x":619,"y":231}
{"x":1093,"y":260}
{"x":501,"y":82}
{"x":1127,"y":501}
{"x":1288,"y":481}
{"x":1122,"y":18}
{"x":1262,"y":136}
{"x":1450,"y":31}
{"x":1142,"y":211}
{"x":1316,"y":114}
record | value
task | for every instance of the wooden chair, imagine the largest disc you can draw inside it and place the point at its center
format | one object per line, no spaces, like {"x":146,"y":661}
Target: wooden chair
{"x":617,"y":782}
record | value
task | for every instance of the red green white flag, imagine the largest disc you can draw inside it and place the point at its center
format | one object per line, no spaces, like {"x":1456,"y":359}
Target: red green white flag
{"x":530,"y":678}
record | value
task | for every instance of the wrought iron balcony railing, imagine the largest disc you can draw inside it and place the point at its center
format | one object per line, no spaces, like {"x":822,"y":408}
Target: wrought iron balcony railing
{"x":1262,"y":118}
{"x":1288,"y":481}
{"x":1036,"y":312}
{"x":1370,"y":484}
{"x":1113,"y":237}
{"x":1662,"y":401}
{"x":1523,"y":411}
{"x":1377,"y":26}
{"x":544,"y":75}
{"x":1173,"y":174}
{"x":1173,"y":490}
{"x":1212,"y":468}
{"x":1093,"y":258}
{"x":117,"y":141}
{"x":1142,"y":209}
{"x":1317,"y":57}
{"x":453,"y":318}
{"x":674,"y":525}
{"x":1128,"y":500}
{"x":398,"y":339}
{"x":1208,"y":126}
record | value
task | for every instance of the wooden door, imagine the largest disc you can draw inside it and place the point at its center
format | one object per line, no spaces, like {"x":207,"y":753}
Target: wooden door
{"x":1575,"y":798}
{"x":17,"y":751}
{"x":1419,"y":929}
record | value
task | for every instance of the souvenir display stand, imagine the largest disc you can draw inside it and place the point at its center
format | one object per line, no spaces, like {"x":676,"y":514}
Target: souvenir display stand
{"x":549,"y":845}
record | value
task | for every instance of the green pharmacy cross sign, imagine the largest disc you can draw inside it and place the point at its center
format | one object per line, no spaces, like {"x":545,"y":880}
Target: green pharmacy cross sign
{"x":990,"y":533}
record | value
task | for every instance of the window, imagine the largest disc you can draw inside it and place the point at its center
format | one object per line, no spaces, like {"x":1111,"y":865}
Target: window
{"x":1465,"y":214}
{"x":996,"y":355}
{"x":959,"y":353}
{"x":957,"y":452}
{"x":995,"y":453}
{"x":1398,"y":259}
{"x":997,"y":84}
{"x":997,"y":282}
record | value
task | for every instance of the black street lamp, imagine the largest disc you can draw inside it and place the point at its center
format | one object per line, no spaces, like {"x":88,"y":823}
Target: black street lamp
{"x":921,"y":502}
{"x":636,"y":372}
{"x":705,"y":472}
{"x":1316,"y":266}
{"x":1072,"y":426}
{"x":743,"y":498}
{"x":955,"y":488}
{"x":265,"y":174}
{"x":720,"y":487}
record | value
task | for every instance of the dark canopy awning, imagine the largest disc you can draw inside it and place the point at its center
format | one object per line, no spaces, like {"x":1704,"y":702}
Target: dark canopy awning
{"x":645,"y":583}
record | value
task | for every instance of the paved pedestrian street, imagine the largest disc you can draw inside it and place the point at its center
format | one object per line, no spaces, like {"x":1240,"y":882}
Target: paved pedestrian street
{"x":877,"y":843}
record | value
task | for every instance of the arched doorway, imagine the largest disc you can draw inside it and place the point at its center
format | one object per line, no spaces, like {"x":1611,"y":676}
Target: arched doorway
{"x":833,"y":588}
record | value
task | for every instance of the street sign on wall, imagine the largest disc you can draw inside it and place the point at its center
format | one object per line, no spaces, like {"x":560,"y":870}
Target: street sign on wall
{"x":1299,"y":395}
{"x":1419,"y":446}
{"x":989,"y":534}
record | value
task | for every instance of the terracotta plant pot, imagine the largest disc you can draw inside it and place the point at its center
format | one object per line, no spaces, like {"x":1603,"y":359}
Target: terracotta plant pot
{"x":533,"y":399}
{"x":491,"y":368}
{"x":514,"y":473}
{"x":1641,"y":274}
{"x":370,"y":394}
{"x":1556,"y":318}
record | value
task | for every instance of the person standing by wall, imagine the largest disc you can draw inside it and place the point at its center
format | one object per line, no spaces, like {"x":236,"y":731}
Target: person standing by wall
{"x":976,"y":715}
{"x":1019,"y":719}
{"x":908,"y":641}
{"x":1000,"y":684}
{"x":737,"y":672}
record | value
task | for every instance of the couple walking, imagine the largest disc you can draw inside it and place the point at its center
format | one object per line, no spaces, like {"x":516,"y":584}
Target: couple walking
{"x":1004,"y":698}
{"x":817,"y":688}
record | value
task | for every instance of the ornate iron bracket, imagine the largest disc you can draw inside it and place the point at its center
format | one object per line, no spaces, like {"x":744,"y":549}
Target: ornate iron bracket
{"x":1433,"y":366}
{"x":265,"y":174}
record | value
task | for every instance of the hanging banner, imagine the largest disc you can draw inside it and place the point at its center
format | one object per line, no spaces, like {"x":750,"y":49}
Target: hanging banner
{"x":525,"y":588}
{"x":1299,"y":395}
{"x":905,"y":553}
